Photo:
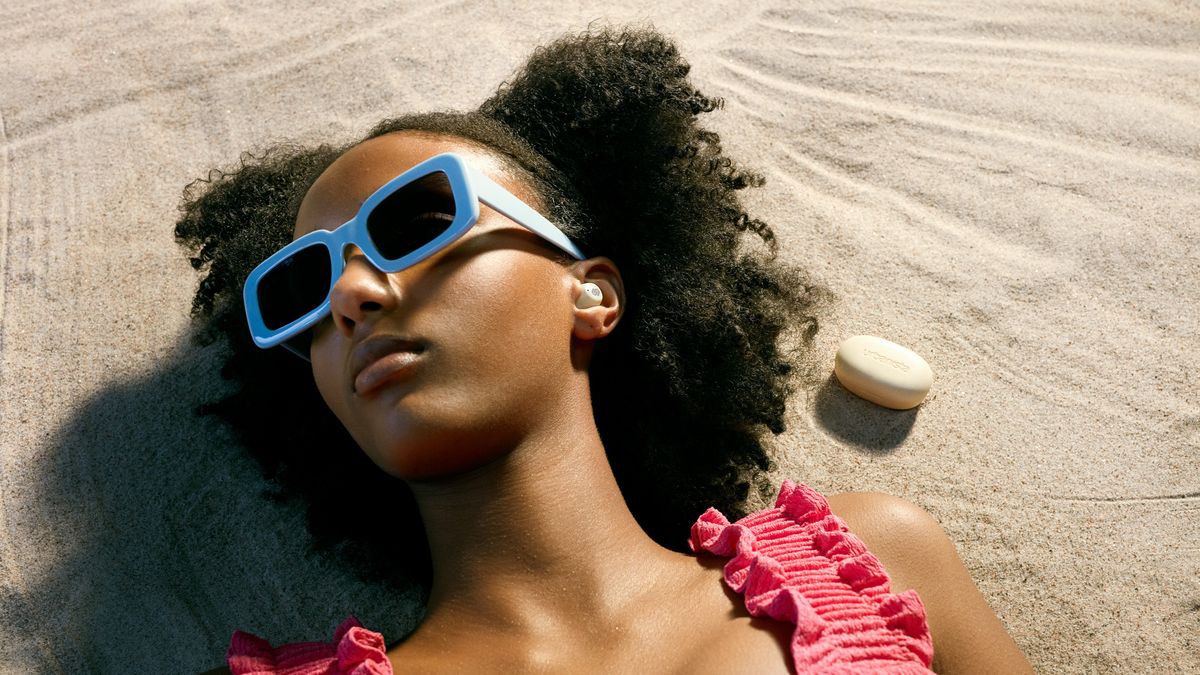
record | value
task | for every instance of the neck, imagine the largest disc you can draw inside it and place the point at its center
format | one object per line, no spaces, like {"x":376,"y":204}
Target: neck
{"x":539,"y":541}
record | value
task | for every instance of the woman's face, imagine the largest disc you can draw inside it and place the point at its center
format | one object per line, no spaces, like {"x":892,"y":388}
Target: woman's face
{"x":494,"y":312}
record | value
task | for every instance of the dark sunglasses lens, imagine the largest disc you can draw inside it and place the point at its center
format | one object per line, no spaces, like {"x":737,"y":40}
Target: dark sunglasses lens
{"x":295,"y":286}
{"x":412,"y":216}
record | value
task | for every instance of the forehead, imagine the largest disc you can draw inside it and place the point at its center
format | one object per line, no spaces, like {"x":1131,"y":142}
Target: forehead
{"x":345,"y":184}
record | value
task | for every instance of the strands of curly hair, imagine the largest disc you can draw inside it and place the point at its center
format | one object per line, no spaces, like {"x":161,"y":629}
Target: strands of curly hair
{"x":603,"y":125}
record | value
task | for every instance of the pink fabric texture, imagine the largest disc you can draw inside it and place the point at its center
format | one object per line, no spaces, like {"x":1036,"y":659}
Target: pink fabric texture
{"x":798,"y":562}
{"x":354,"y":651}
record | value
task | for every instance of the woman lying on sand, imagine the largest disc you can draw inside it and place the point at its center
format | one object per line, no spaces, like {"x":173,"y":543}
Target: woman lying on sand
{"x":526,"y":361}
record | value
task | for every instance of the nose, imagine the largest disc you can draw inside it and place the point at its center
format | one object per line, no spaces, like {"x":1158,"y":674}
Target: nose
{"x":360,"y":290}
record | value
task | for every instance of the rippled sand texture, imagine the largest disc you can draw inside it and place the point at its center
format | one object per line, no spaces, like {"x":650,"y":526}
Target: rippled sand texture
{"x":1009,"y":189}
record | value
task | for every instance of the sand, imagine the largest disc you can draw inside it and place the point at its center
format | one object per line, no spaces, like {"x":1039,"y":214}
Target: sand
{"x":1010,"y":189}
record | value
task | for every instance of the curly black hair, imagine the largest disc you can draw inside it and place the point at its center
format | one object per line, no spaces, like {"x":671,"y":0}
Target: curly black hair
{"x":603,"y":125}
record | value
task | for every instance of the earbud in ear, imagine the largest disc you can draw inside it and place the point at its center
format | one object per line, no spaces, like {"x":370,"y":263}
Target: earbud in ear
{"x":591,"y":296}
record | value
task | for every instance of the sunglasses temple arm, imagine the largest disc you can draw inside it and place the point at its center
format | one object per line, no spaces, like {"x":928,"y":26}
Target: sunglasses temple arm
{"x":499,"y":198}
{"x":295,"y":351}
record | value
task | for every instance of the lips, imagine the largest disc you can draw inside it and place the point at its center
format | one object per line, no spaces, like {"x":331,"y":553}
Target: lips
{"x":379,"y":358}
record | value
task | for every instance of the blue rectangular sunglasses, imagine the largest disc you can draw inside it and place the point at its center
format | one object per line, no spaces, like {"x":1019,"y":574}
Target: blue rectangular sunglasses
{"x":408,"y":219}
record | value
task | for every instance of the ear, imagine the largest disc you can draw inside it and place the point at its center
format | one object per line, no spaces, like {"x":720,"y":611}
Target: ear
{"x":596,"y":322}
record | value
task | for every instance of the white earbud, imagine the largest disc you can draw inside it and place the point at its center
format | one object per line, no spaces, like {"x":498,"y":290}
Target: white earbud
{"x":591,"y":296}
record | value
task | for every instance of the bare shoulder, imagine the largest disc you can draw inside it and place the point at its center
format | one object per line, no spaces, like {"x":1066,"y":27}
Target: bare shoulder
{"x":904,"y":536}
{"x":917,"y":554}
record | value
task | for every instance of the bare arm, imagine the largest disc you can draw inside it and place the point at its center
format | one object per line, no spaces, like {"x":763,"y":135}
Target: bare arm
{"x":967,"y":635}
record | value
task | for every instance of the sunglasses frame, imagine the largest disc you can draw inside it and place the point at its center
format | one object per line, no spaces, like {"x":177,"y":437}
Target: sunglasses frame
{"x":469,"y":187}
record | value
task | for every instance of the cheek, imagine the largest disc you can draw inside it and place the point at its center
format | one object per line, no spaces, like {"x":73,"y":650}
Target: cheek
{"x":511,"y":325}
{"x":327,"y":389}
{"x":328,"y":376}
{"x":324,"y":369}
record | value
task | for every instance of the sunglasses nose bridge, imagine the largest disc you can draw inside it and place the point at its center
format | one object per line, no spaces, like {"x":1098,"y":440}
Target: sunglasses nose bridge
{"x":345,"y":241}
{"x":347,"y":248}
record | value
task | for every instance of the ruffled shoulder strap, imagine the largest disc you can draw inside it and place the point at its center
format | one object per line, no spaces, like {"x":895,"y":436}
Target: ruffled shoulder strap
{"x":798,"y":562}
{"x":354,"y":651}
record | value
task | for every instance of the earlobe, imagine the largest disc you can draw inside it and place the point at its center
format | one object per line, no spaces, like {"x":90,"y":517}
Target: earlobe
{"x":599,"y":313}
{"x":596,"y":288}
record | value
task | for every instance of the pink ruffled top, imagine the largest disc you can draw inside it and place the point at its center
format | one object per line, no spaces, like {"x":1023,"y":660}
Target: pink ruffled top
{"x":354,"y":651}
{"x":798,"y":562}
{"x":795,"y":562}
